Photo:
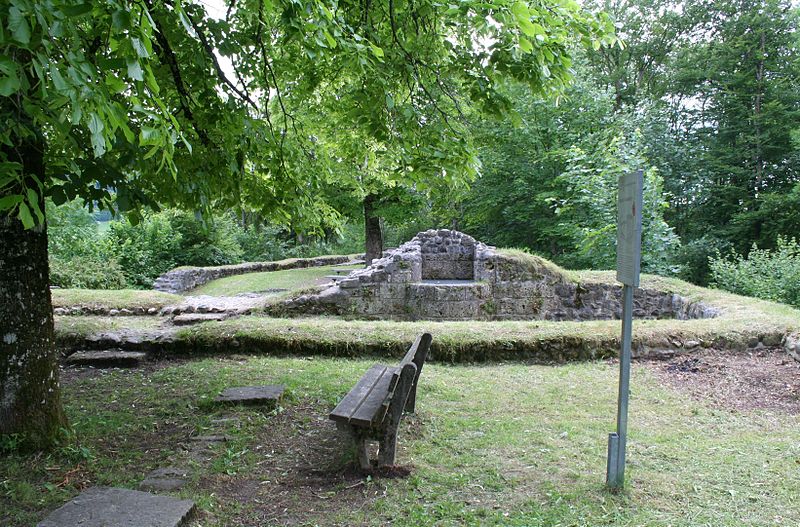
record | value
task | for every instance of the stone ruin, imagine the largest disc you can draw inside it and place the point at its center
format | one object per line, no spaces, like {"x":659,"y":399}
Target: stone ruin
{"x":448,"y":275}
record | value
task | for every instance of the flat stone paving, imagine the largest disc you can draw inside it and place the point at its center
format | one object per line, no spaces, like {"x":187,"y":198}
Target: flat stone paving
{"x":267,"y":395}
{"x":106,"y":359}
{"x":108,"y":506}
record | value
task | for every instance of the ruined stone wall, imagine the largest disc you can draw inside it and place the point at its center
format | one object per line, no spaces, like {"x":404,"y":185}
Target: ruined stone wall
{"x":447,"y":255}
{"x":496,"y":287}
{"x":187,"y":278}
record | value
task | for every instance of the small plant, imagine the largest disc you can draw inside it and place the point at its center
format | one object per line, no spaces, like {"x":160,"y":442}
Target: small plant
{"x":771,"y":275}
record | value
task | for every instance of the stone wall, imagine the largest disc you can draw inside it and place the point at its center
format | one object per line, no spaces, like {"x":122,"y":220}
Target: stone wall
{"x":502,"y":288}
{"x":447,"y":256}
{"x":187,"y":278}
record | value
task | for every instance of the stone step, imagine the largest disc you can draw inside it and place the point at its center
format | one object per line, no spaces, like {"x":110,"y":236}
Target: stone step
{"x":106,"y":506}
{"x":268,"y":395}
{"x":107,"y":358}
{"x":188,"y":319}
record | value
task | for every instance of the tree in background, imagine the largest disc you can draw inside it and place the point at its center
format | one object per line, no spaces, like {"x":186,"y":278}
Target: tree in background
{"x":127,"y":102}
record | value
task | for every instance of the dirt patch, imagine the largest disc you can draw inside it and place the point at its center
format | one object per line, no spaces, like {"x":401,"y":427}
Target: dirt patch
{"x":304,"y":472}
{"x":765,"y":379}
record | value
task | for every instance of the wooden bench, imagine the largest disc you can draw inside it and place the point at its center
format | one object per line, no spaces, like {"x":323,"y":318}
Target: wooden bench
{"x":372,"y":409}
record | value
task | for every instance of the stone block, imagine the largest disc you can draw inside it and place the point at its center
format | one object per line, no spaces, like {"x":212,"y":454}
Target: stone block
{"x":268,"y":395}
{"x":108,"y":506}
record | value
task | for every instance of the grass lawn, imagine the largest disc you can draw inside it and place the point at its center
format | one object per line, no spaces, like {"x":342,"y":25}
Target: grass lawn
{"x":500,"y":444}
{"x":277,"y":282}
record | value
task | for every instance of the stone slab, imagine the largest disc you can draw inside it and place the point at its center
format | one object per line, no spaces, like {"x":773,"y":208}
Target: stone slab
{"x":267,"y":395}
{"x":165,"y":479}
{"x":106,"y":359}
{"x":108,"y":506}
{"x":196,"y":318}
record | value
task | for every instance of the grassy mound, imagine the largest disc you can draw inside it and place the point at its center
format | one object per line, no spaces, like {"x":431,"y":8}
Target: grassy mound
{"x":743,"y":322}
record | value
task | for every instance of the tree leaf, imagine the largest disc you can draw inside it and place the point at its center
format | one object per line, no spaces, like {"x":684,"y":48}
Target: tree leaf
{"x":9,"y":202}
{"x":139,"y":48}
{"x":24,"y":215}
{"x":18,"y":25}
{"x":525,"y":44}
{"x":135,"y":70}
{"x":377,"y":51}
{"x":9,"y":85}
{"x":77,"y":10}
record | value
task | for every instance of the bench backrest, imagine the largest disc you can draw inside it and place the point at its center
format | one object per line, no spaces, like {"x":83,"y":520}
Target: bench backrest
{"x":416,"y":355}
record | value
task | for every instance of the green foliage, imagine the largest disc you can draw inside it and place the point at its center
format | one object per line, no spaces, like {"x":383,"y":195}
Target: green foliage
{"x":587,"y":207}
{"x":550,"y":184}
{"x":165,"y":240}
{"x":771,"y":275}
{"x":79,"y":256}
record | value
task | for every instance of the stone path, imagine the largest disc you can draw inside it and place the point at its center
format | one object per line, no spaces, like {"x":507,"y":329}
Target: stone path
{"x":165,"y":479}
{"x":232,"y":305}
{"x":108,"y":506}
{"x":112,"y":507}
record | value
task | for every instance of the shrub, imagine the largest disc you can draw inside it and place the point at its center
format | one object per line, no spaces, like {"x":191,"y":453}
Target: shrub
{"x":87,"y":273}
{"x":771,"y":275}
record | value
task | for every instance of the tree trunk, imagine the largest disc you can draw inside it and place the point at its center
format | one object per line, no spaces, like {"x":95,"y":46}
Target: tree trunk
{"x":372,"y":229}
{"x":30,"y":402}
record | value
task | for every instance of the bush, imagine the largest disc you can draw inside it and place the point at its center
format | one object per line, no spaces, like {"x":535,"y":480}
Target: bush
{"x":771,"y":275}
{"x":87,"y":273}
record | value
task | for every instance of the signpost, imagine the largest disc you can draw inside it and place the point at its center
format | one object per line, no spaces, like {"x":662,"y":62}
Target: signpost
{"x":629,"y":250}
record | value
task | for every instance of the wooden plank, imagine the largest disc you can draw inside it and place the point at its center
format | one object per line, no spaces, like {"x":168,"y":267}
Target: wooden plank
{"x":355,"y":397}
{"x":371,"y":410}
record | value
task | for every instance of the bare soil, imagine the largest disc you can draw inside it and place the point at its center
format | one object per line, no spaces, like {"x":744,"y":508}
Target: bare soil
{"x":305,"y":471}
{"x":765,"y":379}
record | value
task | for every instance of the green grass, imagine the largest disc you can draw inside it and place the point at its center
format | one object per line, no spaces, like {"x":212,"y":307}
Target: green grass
{"x":511,"y":445}
{"x":292,"y":280}
{"x":112,"y":298}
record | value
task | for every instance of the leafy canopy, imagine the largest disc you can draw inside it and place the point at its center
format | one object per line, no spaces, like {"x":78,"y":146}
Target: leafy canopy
{"x":133,"y":102}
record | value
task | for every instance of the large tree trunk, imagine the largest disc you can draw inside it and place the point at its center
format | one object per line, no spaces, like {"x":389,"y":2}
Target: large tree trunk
{"x":372,"y":229}
{"x":30,"y":402}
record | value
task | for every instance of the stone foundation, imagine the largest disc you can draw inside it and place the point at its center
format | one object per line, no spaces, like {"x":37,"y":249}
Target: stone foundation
{"x":447,"y":275}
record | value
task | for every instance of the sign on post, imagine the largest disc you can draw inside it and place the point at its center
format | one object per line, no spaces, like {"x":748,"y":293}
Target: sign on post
{"x":629,"y":228}
{"x":629,"y":252}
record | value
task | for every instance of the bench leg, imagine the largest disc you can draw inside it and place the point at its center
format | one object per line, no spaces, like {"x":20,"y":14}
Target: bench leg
{"x":361,"y":453}
{"x":388,"y":446}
